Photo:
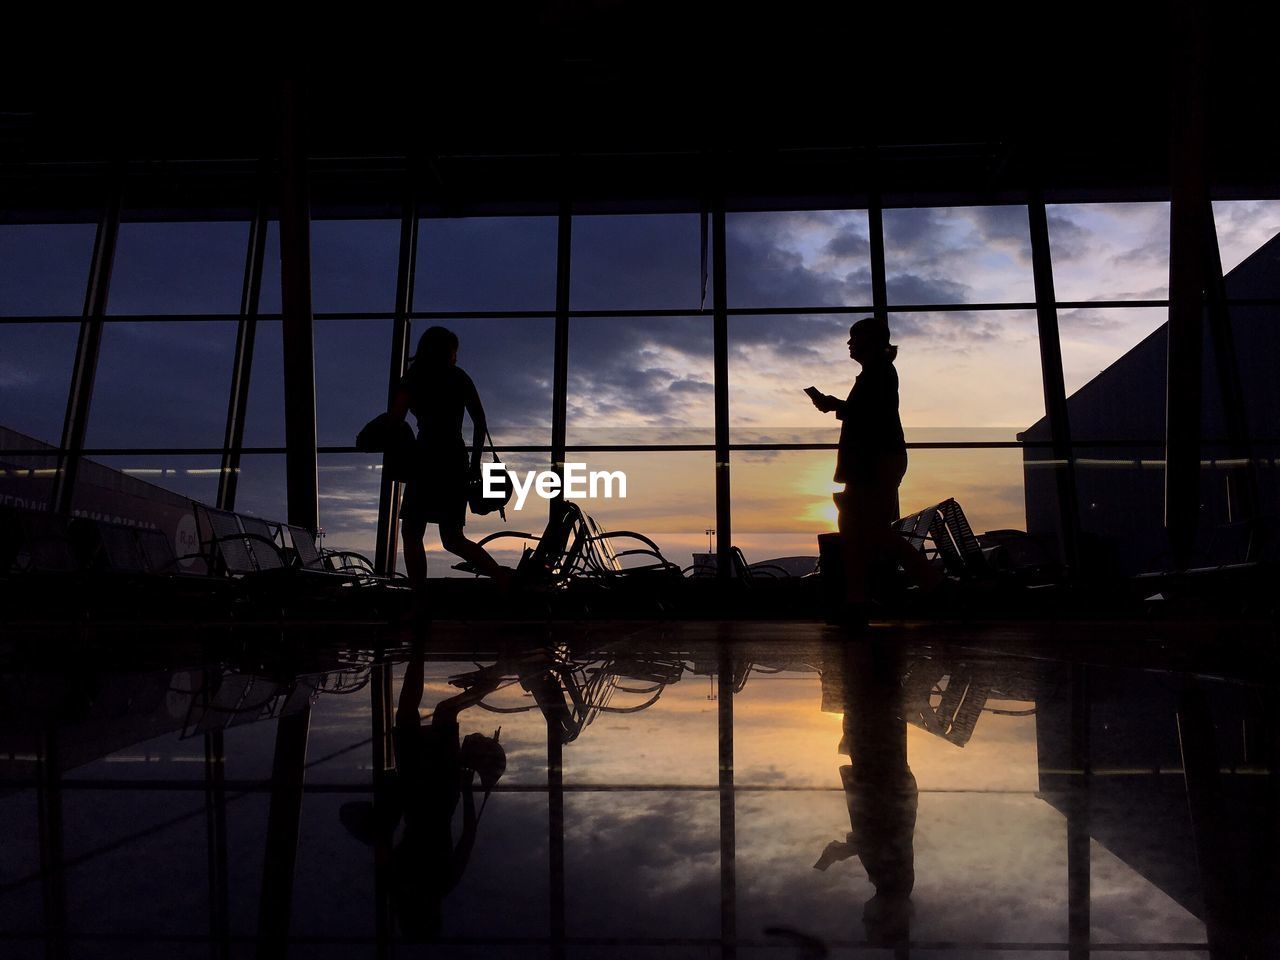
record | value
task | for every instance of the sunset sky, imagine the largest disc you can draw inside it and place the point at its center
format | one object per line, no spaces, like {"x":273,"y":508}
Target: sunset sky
{"x":964,"y":375}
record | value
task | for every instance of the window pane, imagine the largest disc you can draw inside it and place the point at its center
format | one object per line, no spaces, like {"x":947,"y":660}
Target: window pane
{"x":800,"y":258}
{"x":771,"y":360}
{"x":35,"y":372}
{"x":44,"y":268}
{"x":670,"y":499}
{"x":1093,"y":339}
{"x":640,"y":380}
{"x":970,"y":373}
{"x":168,"y":478}
{"x":511,"y":364}
{"x":486,"y":263}
{"x":178,"y":268}
{"x":1110,"y":251}
{"x":260,"y":491}
{"x":987,"y":484}
{"x":967,"y":373}
{"x":353,"y":360}
{"x":353,"y":265}
{"x":1243,"y":227}
{"x":162,"y":383}
{"x":636,"y":262}
{"x":958,"y":255}
{"x":782,"y":499}
{"x":350,"y":485}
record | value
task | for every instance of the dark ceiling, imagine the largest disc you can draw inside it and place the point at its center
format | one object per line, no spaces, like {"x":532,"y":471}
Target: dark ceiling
{"x":620,"y":105}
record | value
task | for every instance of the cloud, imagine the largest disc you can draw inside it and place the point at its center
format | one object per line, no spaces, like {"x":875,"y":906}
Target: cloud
{"x":848,"y":244}
{"x":691,"y":386}
{"x":912,"y":288}
{"x":13,"y":377}
{"x":1068,"y":240}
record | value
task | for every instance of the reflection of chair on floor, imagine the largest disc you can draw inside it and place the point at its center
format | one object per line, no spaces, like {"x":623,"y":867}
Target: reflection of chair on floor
{"x":942,"y":532}
{"x":571,"y":694}
{"x":962,"y":695}
{"x":233,"y":699}
{"x":574,"y":546}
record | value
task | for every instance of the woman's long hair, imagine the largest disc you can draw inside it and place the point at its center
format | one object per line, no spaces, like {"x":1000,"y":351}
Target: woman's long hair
{"x":436,"y":347}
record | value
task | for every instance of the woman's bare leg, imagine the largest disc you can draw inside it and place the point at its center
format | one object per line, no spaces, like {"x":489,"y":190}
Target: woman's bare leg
{"x":415,"y":553}
{"x":455,"y":541}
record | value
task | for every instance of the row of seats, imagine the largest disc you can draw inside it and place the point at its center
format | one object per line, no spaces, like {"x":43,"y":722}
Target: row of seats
{"x":52,"y":564}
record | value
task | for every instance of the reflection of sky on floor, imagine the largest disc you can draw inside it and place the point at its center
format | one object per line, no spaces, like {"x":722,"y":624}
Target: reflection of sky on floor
{"x":642,"y":821}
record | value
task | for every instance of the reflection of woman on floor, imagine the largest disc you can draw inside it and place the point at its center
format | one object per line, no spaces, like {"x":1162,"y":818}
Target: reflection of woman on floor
{"x":433,"y":771}
{"x":871,"y":462}
{"x":880,"y":789}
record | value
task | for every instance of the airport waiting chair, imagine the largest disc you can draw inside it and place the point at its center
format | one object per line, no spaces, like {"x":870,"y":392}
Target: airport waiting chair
{"x":779,"y":568}
{"x":158,"y":553}
{"x":601,"y":558}
{"x":251,"y":550}
{"x":575,"y":547}
{"x":942,"y":531}
{"x":308,"y":556}
{"x":105,"y":547}
{"x":231,"y":550}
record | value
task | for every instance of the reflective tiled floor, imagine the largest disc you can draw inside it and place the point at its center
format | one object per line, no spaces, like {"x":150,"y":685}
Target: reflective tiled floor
{"x":667,"y":790}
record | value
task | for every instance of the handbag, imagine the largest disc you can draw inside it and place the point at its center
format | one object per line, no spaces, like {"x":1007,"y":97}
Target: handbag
{"x":480,"y":504}
{"x":394,"y":439}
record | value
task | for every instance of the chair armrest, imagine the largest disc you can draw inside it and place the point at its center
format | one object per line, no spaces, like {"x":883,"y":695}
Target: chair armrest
{"x":508,"y":533}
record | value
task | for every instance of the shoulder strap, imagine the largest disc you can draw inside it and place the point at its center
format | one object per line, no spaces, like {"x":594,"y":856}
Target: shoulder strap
{"x":492,"y":449}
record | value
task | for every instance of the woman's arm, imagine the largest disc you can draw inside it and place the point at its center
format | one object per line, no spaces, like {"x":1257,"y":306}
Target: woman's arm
{"x":478,"y":423}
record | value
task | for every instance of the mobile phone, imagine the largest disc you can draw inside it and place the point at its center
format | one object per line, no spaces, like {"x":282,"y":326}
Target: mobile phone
{"x":813,"y":392}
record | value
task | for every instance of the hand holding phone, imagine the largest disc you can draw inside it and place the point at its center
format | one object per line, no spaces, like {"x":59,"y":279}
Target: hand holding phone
{"x":820,"y":399}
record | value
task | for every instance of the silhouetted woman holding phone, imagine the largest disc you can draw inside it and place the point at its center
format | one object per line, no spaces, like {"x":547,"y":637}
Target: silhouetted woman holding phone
{"x":871,"y":462}
{"x":437,"y":391}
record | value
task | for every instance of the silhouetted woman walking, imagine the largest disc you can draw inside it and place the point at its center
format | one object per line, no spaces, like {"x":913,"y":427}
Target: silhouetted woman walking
{"x":437,"y":391}
{"x":871,"y":462}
